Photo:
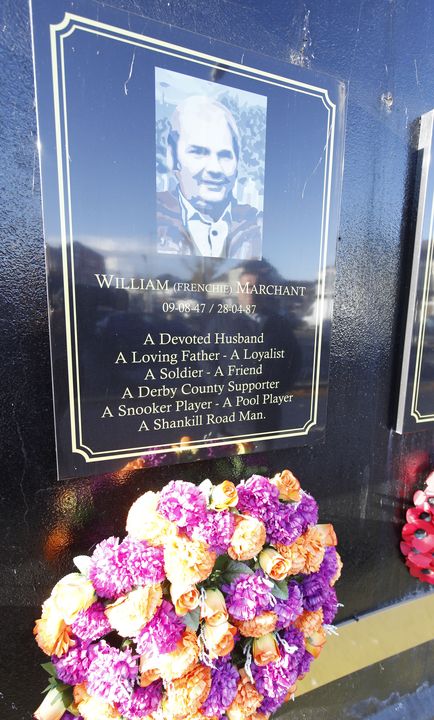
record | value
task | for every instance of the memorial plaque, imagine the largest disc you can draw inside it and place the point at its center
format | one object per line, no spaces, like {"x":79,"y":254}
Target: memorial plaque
{"x":190,"y":197}
{"x":416,"y":395}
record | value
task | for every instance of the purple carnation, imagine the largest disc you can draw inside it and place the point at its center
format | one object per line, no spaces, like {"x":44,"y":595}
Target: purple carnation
{"x":145,"y":563}
{"x":313,"y":589}
{"x":330,"y":605}
{"x":111,"y":673}
{"x":329,"y":566}
{"x":248,"y":595}
{"x":72,"y":667}
{"x":288,"y":610}
{"x":307,"y":510}
{"x":162,"y":633}
{"x":91,"y":624}
{"x":142,"y":702}
{"x":284,"y":525}
{"x":257,"y":496}
{"x":305,"y":662}
{"x":216,"y":529}
{"x":118,"y":567}
{"x":269,"y":704}
{"x":182,"y":503}
{"x":293,"y":638}
{"x":275,"y":679}
{"x":224,"y":683}
{"x":69,"y":716}
{"x":109,"y":578}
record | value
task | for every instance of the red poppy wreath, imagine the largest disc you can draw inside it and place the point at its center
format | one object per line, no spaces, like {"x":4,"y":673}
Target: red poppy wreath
{"x":418,"y":534}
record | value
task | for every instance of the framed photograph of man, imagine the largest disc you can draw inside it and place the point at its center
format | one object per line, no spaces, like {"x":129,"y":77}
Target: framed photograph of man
{"x":191,"y":195}
{"x":210,"y":144}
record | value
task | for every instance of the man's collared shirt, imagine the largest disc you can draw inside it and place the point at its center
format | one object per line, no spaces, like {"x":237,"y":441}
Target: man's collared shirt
{"x":209,"y":237}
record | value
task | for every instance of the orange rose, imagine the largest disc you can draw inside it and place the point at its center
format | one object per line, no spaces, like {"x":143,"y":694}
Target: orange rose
{"x":179,"y":662}
{"x":338,"y":571}
{"x":315,"y":643}
{"x":187,"y":562}
{"x":184,"y":599}
{"x":328,"y":535}
{"x":288,"y":485}
{"x":131,"y":612}
{"x":148,"y":676}
{"x":259,"y":716}
{"x":274,"y":564}
{"x":295,"y":554}
{"x":224,"y":496}
{"x":248,"y":538}
{"x":51,"y":632}
{"x":186,"y":694}
{"x":145,"y":523}
{"x":310,"y":622}
{"x":213,"y":608}
{"x":219,"y":639}
{"x":314,"y":550}
{"x":265,"y":650}
{"x":72,"y":593}
{"x":246,"y":701}
{"x":260,"y":625}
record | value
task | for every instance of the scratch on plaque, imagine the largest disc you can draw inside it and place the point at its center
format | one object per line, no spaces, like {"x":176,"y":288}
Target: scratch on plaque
{"x":301,"y":57}
{"x":25,"y":462}
{"x":324,"y":150}
{"x":356,"y":41}
{"x":130,"y":73}
{"x":416,"y":72}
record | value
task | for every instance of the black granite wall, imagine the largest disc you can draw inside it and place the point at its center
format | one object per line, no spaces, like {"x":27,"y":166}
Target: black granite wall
{"x":362,"y":473}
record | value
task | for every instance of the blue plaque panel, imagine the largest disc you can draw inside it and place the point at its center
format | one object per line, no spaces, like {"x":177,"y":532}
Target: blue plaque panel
{"x":190,"y":198}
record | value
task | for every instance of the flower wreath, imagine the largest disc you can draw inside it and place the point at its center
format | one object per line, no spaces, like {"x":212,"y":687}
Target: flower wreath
{"x":213,"y":605}
{"x":418,"y":534}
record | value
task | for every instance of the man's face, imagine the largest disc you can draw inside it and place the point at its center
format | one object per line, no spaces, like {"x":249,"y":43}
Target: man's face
{"x":207,"y":164}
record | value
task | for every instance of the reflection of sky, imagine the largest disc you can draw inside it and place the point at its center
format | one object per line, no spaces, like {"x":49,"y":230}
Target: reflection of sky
{"x":180,"y":86}
{"x":111,"y":130}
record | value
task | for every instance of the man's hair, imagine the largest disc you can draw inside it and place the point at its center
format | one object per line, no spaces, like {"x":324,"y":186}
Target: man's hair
{"x":198,"y":103}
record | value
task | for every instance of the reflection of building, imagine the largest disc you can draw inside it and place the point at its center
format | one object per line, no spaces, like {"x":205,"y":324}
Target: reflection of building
{"x":328,"y":278}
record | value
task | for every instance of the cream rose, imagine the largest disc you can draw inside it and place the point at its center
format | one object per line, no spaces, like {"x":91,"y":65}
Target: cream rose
{"x":219,"y":639}
{"x":265,"y":650}
{"x":248,"y":538}
{"x":224,"y":496}
{"x":145,"y":523}
{"x":131,"y":612}
{"x":184,"y":599}
{"x":72,"y":593}
{"x":179,"y":662}
{"x":51,"y":632}
{"x":187,"y":562}
{"x":213,"y":608}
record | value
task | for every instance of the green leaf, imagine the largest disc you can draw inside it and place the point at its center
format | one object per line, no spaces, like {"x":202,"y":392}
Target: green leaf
{"x":280,"y":590}
{"x":234,"y":569}
{"x":221,"y":562}
{"x":192,"y":619}
{"x":49,"y":668}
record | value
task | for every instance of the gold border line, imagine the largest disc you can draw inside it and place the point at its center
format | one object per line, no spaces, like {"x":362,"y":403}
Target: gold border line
{"x":374,"y":637}
{"x":73,"y":375}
